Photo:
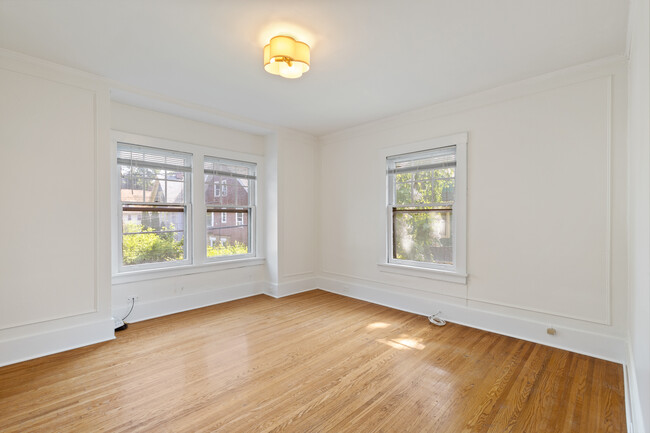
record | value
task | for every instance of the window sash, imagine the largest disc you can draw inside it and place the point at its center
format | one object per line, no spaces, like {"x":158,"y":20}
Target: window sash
{"x":239,"y":170}
{"x":238,"y":211}
{"x":155,"y":159}
{"x":447,"y":159}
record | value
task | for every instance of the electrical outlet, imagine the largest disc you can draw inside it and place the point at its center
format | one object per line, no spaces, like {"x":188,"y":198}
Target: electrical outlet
{"x":133,"y":298}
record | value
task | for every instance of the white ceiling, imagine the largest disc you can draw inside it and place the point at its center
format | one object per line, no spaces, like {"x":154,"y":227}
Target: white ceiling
{"x":370,"y":58}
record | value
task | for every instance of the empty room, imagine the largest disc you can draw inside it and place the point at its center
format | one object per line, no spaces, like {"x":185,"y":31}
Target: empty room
{"x":325,"y":216}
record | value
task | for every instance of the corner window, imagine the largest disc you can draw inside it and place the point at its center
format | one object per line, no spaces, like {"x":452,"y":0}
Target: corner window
{"x":426,"y":206}
{"x":155,"y":200}
{"x":237,"y":182}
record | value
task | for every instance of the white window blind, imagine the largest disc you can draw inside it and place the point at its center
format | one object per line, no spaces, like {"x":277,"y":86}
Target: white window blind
{"x":147,"y":157}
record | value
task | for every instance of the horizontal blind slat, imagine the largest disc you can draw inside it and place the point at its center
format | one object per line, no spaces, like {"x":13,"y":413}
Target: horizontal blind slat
{"x":229,"y":174}
{"x":416,"y":168}
{"x":153,"y":165}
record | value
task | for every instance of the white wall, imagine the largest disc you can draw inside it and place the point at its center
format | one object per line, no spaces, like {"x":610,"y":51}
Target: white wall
{"x":546,"y":209}
{"x":171,"y":293}
{"x":298,"y":176}
{"x":56,"y":288}
{"x":292,"y":235}
{"x":54,"y":267}
{"x":639,"y":213}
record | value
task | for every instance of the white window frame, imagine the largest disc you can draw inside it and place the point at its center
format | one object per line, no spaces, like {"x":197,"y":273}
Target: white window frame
{"x":456,"y":273}
{"x":217,"y":190}
{"x":196,"y":226}
{"x":251,"y":209}
{"x":224,"y":217}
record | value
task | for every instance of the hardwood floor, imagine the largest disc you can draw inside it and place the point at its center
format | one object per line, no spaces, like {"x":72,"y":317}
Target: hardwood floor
{"x":313,"y":362}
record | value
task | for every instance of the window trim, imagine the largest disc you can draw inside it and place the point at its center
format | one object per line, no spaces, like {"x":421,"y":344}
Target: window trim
{"x":453,"y":273}
{"x":196,"y":222}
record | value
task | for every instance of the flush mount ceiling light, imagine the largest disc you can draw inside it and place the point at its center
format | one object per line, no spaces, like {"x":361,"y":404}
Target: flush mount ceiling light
{"x":286,"y":57}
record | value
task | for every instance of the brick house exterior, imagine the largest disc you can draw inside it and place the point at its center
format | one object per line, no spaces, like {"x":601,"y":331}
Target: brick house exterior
{"x":226,"y":226}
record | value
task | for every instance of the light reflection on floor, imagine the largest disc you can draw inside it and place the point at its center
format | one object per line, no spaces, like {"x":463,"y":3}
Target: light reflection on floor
{"x":378,"y":325}
{"x":403,"y":342}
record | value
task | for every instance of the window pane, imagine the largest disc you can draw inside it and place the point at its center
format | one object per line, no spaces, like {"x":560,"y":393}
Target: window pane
{"x":422,"y":192}
{"x":152,"y":236}
{"x":444,"y":185}
{"x":423,"y":235}
{"x":148,"y":185}
{"x":229,"y":237}
{"x":227,"y":191}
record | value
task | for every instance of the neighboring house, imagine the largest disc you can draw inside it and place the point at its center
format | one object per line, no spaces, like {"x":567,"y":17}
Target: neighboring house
{"x":158,"y":194}
{"x":226,"y":225}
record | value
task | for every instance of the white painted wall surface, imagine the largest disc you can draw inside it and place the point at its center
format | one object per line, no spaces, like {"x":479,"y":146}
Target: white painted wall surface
{"x":546,"y":192}
{"x":639,"y":210}
{"x":178,"y":292}
{"x":54,"y":268}
{"x":297,"y":173}
{"x":291,"y":218}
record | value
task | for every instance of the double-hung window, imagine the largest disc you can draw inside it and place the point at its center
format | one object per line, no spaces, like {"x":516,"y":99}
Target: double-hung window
{"x":235,"y":202}
{"x":426,"y":205}
{"x":154,"y":207}
{"x":157,"y":193}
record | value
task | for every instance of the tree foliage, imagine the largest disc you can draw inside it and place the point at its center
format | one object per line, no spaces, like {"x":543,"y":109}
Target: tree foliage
{"x":423,"y":236}
{"x":227,"y":249}
{"x":146,"y":246}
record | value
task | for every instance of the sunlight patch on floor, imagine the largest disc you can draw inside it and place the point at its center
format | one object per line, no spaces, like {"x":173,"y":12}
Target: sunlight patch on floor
{"x":378,"y":325}
{"x":403,"y":342}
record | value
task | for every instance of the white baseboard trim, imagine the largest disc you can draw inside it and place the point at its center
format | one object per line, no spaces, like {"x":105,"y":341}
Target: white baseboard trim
{"x":588,"y":343}
{"x":287,"y":288}
{"x":47,"y":343}
{"x":176,"y":304}
{"x":634,"y":408}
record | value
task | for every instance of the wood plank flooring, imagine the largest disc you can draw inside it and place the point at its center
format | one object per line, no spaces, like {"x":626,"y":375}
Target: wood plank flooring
{"x":313,"y":362}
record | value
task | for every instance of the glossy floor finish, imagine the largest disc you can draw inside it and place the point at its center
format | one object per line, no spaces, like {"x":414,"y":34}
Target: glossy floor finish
{"x":313,"y":362}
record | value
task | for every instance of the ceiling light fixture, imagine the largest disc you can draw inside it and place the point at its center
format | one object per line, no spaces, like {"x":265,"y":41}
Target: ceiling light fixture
{"x":286,"y":57}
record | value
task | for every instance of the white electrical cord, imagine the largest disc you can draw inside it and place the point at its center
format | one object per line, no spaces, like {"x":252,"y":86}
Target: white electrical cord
{"x":437,"y":320}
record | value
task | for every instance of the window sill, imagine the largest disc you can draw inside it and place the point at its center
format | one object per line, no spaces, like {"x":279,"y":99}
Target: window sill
{"x":422,"y":272}
{"x":152,"y":274}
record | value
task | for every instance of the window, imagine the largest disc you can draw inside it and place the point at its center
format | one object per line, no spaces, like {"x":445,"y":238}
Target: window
{"x":426,"y":205}
{"x":237,"y":180}
{"x":155,"y":201}
{"x":156,"y":229}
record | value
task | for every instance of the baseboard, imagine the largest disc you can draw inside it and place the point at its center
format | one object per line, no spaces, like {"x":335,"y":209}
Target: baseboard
{"x":633,"y":407}
{"x":287,"y":288}
{"x":176,"y":304}
{"x":588,"y":343}
{"x":47,"y":343}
